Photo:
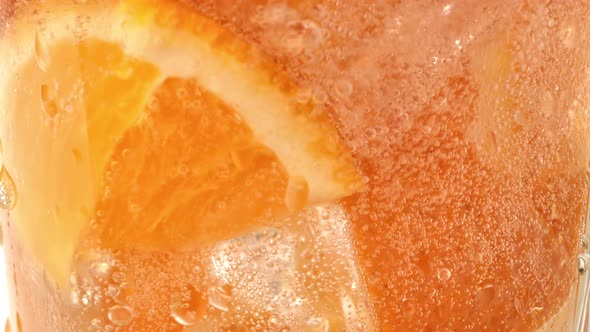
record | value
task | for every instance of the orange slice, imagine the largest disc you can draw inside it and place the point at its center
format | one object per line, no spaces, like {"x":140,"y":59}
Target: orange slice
{"x":155,"y":125}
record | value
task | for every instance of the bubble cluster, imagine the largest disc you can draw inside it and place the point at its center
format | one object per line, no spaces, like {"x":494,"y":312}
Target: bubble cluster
{"x":476,"y":187}
{"x":120,"y":315}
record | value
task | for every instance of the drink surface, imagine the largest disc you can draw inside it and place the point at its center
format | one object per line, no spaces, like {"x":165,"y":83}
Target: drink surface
{"x":317,"y":165}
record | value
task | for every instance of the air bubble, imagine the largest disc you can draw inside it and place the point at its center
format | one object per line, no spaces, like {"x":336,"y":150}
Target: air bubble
{"x":302,"y":35}
{"x":75,"y":296}
{"x":50,"y":107}
{"x":113,"y":291}
{"x":318,"y":324}
{"x":303,"y":96}
{"x":188,"y":306}
{"x":118,"y":277}
{"x":444,"y":274}
{"x":220,"y":297}
{"x":153,"y":103}
{"x":181,"y":93}
{"x":521,"y":118}
{"x":567,"y":33}
{"x":319,"y":97}
{"x":447,"y":9}
{"x":120,"y":315}
{"x":101,"y":270}
{"x":96,"y":323}
{"x":273,"y":14}
{"x":486,"y":295}
{"x":343,"y":88}
{"x":47,"y":102}
{"x":273,"y":322}
{"x":518,"y":306}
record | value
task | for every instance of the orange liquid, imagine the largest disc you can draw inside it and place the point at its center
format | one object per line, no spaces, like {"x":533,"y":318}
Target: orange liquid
{"x":474,"y":197}
{"x":468,"y":124}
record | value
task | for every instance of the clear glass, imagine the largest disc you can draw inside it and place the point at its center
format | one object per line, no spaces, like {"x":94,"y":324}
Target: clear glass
{"x":315,"y":165}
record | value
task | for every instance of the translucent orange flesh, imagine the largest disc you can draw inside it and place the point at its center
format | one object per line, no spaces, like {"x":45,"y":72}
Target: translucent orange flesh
{"x":190,"y":172}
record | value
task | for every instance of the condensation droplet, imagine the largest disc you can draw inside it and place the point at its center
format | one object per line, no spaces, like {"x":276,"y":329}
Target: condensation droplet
{"x":41,"y":52}
{"x":444,"y":274}
{"x":296,"y":194}
{"x":120,"y":315}
{"x":7,"y":190}
{"x":188,"y":306}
